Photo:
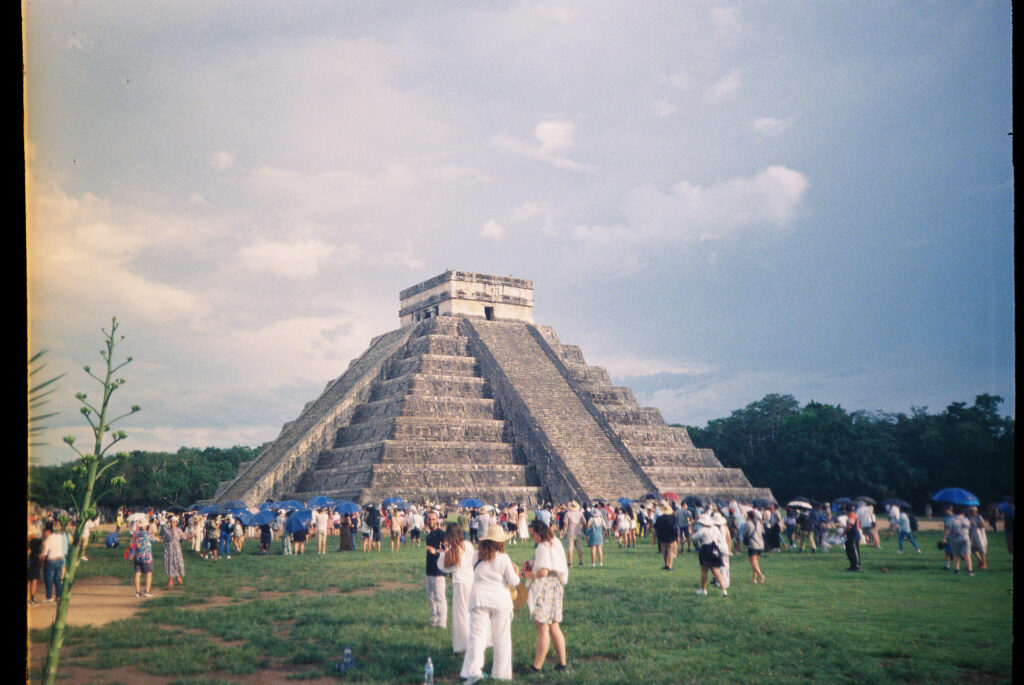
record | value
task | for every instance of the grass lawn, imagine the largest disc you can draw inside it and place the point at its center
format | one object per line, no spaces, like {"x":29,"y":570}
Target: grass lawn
{"x":628,"y":622}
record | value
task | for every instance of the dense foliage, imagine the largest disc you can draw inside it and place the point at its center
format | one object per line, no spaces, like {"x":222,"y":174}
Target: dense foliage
{"x":154,"y":478}
{"x":823,"y":451}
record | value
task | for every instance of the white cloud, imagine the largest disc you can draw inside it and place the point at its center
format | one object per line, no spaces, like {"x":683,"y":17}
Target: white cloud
{"x":555,"y":135}
{"x":770,"y":126}
{"x":222,"y":160}
{"x":664,"y":109}
{"x":493,"y":230}
{"x":725,"y":19}
{"x":298,"y":261}
{"x":624,"y":365}
{"x":724,"y":87}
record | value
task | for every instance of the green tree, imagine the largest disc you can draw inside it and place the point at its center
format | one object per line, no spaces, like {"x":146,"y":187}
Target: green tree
{"x":38,"y":392}
{"x":89,"y":466}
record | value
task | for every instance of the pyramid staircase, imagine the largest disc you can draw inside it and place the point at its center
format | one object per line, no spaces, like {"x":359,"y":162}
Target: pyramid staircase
{"x":666,"y":453}
{"x":430,"y":429}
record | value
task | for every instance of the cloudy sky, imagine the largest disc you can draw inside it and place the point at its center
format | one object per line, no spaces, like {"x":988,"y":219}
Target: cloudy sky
{"x":715,"y":201}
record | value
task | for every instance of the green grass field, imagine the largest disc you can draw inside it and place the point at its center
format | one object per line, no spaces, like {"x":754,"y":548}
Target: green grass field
{"x":628,"y":622}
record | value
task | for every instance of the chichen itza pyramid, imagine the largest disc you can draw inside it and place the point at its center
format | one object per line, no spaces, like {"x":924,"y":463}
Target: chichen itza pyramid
{"x":470,"y":398}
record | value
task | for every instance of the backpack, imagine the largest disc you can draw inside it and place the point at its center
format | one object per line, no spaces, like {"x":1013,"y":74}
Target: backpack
{"x":913,"y":522}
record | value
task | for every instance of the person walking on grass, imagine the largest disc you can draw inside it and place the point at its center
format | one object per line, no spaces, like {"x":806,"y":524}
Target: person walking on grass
{"x":595,"y":540}
{"x":456,"y":559}
{"x":174,"y":561}
{"x":140,"y":552}
{"x":906,"y":532}
{"x":957,"y":536}
{"x":752,"y":535}
{"x":490,"y":608}
{"x":548,"y":574}
{"x":666,"y":535}
{"x":226,"y":526}
{"x":979,"y":539}
{"x":712,"y":553}
{"x":51,"y":558}
{"x":435,"y":576}
{"x":574,"y":532}
{"x":323,"y":527}
{"x":853,"y":535}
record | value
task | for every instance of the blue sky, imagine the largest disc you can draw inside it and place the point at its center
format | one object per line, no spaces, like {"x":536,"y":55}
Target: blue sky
{"x":715,"y":201}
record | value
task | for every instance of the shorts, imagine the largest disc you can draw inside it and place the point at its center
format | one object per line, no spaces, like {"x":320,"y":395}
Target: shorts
{"x":33,"y":570}
{"x":668,"y":549}
{"x":574,"y":541}
{"x":321,"y":534}
{"x":708,"y":559}
{"x":414,"y":533}
{"x":143,"y":566}
{"x":376,"y":535}
{"x":754,"y":552}
{"x":299,"y":535}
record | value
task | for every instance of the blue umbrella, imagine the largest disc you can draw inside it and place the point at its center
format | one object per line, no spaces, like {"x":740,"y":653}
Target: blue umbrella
{"x":235,"y":504}
{"x":1005,"y":507}
{"x":268,"y":506}
{"x":290,"y":505}
{"x":403,"y":506}
{"x":471,"y":503}
{"x":262,"y":518}
{"x":210,"y":509}
{"x":320,"y":501}
{"x":624,"y":501}
{"x":298,"y":520}
{"x":346,"y":507}
{"x":955,"y":496}
{"x":242,"y":515}
{"x":392,"y":500}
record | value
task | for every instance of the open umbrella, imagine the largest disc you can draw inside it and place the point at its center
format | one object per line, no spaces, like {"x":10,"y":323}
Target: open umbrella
{"x":298,"y":520}
{"x":343,"y":507}
{"x":955,"y":496}
{"x":263,"y":517}
{"x":624,"y":501}
{"x":268,"y":506}
{"x":320,"y":501}
{"x":650,"y":495}
{"x":210,"y":509}
{"x":235,"y":504}
{"x":137,"y":516}
{"x":694,"y":500}
{"x":471,"y":503}
{"x":866,"y":500}
{"x":290,"y":505}
{"x":176,"y":509}
{"x":895,"y":501}
{"x":403,"y":506}
{"x":799,"y":504}
{"x":762,"y":503}
{"x":1005,"y":507}
{"x":671,"y":495}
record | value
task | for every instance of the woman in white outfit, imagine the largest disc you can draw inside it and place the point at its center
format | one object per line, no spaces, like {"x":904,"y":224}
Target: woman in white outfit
{"x":522,"y":525}
{"x":490,"y":608}
{"x":456,"y":559}
{"x":712,"y":551}
{"x":548,"y":573}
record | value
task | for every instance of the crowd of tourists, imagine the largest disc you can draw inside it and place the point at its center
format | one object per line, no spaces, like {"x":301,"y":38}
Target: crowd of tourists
{"x":468,"y":544}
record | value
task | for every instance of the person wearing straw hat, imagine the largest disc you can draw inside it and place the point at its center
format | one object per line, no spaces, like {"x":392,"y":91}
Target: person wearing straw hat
{"x":712,"y":552}
{"x":574,"y":532}
{"x":490,"y":608}
{"x":547,"y":573}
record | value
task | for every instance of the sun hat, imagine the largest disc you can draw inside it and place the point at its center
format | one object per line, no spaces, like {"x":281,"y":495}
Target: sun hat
{"x":496,"y":533}
{"x":705,"y":520}
{"x":574,"y":505}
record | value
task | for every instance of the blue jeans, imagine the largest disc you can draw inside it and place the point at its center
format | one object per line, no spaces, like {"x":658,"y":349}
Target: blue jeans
{"x":225,"y":545}
{"x":908,"y":536}
{"x":52,"y":577}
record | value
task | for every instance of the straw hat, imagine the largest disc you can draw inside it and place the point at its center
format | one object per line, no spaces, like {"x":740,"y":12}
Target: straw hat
{"x":705,"y":520}
{"x":496,"y":533}
{"x":574,"y":505}
{"x":519,"y":594}
{"x":665,"y":507}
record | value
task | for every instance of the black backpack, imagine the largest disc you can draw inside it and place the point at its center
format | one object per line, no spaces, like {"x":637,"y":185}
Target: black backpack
{"x":913,"y":522}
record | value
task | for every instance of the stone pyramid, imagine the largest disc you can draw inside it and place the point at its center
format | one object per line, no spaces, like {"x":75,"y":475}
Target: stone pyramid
{"x":469,"y":398}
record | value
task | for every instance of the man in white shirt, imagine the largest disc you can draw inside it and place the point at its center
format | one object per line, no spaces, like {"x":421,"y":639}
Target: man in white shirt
{"x":323,"y":525}
{"x":52,"y":556}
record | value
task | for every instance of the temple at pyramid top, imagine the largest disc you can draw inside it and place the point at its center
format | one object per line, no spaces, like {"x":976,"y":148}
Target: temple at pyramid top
{"x":463,"y":293}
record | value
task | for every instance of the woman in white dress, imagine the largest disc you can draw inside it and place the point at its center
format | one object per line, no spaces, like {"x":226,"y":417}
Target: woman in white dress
{"x":456,"y":559}
{"x":548,"y":573}
{"x":523,"y":525}
{"x":490,"y":608}
{"x":712,"y":551}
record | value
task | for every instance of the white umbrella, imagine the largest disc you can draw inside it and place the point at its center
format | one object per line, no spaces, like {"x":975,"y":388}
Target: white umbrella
{"x":800,"y":504}
{"x":138,"y":516}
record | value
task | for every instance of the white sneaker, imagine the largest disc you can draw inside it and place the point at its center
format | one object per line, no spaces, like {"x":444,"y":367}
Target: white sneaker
{"x":724,"y":593}
{"x":702,"y":593}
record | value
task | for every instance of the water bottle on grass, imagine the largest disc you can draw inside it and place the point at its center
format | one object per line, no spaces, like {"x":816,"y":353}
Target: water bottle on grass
{"x":428,"y":673}
{"x":347,"y":663}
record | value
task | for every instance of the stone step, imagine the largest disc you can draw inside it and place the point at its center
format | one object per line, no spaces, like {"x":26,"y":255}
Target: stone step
{"x":426,"y":406}
{"x":437,"y":364}
{"x":446,"y":345}
{"x":418,"y":452}
{"x":437,"y":385}
{"x":422,"y":428}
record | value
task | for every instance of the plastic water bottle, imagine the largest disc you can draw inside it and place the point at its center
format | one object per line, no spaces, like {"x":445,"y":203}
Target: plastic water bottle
{"x":428,"y":673}
{"x":347,"y":663}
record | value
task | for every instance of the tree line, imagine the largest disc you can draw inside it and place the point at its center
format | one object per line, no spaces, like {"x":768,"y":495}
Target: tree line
{"x":823,"y":451}
{"x":151,"y":478}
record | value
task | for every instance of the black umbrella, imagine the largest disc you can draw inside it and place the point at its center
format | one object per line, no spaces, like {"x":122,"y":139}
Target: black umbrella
{"x":866,"y":499}
{"x":651,"y":495}
{"x":176,"y":509}
{"x":893,"y":501}
{"x":694,"y":500}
